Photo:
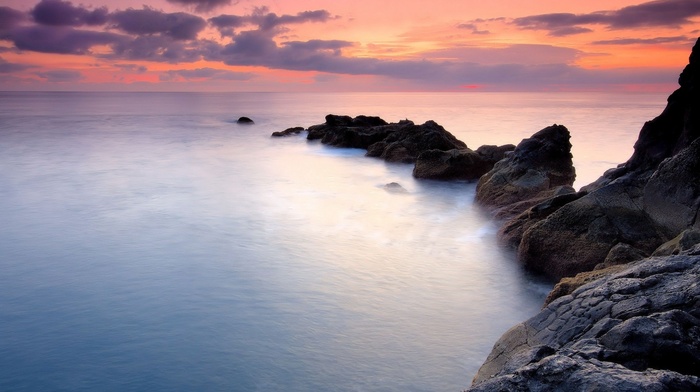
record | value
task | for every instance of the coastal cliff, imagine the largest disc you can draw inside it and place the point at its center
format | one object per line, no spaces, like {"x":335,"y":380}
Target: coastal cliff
{"x":625,"y":321}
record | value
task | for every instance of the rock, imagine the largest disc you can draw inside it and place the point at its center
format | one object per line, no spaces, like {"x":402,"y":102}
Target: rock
{"x":672,"y":194}
{"x":666,"y":135}
{"x":638,"y":329}
{"x":683,"y":241}
{"x":537,"y":165}
{"x":407,"y":141}
{"x":459,"y":164}
{"x":579,"y":235}
{"x":394,"y":187}
{"x":396,"y":142}
{"x":244,"y":120}
{"x":288,"y":132}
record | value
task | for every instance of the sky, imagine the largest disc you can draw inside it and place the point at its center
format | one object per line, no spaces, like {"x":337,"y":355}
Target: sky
{"x":346,"y":45}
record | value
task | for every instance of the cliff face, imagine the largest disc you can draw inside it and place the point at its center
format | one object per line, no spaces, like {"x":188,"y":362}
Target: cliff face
{"x":619,"y":327}
{"x":638,"y":206}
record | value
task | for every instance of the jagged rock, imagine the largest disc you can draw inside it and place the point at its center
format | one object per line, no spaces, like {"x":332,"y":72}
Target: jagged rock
{"x":288,"y":132}
{"x":638,"y":329}
{"x":672,"y":194}
{"x":537,"y":164}
{"x":462,"y":164}
{"x":666,"y":135}
{"x":408,"y":141}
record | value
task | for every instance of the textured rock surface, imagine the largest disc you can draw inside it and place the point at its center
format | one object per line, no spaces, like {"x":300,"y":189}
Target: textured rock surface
{"x":638,"y":329}
{"x":462,"y":164}
{"x":537,"y":165}
{"x":288,"y":132}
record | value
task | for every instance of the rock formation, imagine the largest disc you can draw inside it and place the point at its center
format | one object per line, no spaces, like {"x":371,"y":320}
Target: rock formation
{"x":245,"y":120}
{"x":538,"y":167}
{"x":631,"y":331}
{"x":634,"y":208}
{"x":462,"y":164}
{"x":438,"y":153}
{"x":621,"y":323}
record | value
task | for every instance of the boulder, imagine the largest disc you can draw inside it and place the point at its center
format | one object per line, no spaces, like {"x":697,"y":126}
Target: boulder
{"x":245,"y":120}
{"x":537,"y":165}
{"x":683,"y":241}
{"x":459,"y":164}
{"x":638,"y":329}
{"x":579,"y":235}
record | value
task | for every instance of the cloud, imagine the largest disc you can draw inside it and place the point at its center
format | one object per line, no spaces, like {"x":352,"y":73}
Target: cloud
{"x":529,"y":54}
{"x":473,"y":28}
{"x":205,"y":74}
{"x":147,"y":21}
{"x":63,"y":13}
{"x":7,"y":67}
{"x":10,"y":18}
{"x":61,"y":40}
{"x":658,"y":13}
{"x":159,"y":48}
{"x":202,"y":5}
{"x":61,"y":76}
{"x":131,"y":68}
{"x":642,"y":41}
{"x":265,"y":20}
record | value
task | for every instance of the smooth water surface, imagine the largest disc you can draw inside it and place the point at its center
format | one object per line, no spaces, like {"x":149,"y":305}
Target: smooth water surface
{"x":150,"y":243}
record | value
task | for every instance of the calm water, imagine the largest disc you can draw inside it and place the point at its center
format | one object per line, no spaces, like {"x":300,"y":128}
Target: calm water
{"x":149,"y":243}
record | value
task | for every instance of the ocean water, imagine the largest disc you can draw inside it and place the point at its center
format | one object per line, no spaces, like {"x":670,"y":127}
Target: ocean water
{"x":150,"y":243}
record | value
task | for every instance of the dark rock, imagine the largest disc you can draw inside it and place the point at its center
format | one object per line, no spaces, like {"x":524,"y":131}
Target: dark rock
{"x":537,"y":165}
{"x":578,"y":236}
{"x":288,"y":132}
{"x":245,"y":120}
{"x":462,"y":164}
{"x":407,"y":141}
{"x":669,"y":133}
{"x":682,"y":242}
{"x":638,"y":329}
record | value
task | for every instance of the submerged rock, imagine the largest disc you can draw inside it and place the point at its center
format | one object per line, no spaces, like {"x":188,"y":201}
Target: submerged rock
{"x":288,"y":132}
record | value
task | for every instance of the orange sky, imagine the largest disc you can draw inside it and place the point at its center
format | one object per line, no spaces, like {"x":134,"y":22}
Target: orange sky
{"x":322,"y":45}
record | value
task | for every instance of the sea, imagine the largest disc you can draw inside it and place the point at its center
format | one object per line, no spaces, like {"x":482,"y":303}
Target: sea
{"x":148,"y":242}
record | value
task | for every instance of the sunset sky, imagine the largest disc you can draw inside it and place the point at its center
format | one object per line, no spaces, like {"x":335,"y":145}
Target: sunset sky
{"x":323,"y":45}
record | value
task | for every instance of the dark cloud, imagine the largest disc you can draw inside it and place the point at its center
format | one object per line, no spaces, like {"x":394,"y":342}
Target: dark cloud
{"x":269,"y":20}
{"x":202,"y":5}
{"x":61,"y":40}
{"x":7,"y":67}
{"x":648,"y":41}
{"x":10,"y":18}
{"x":474,"y":29}
{"x":265,"y":20}
{"x":205,"y":74}
{"x":63,"y":13}
{"x":147,"y":21}
{"x":158,"y":48}
{"x":61,"y":76}
{"x":131,"y":68}
{"x":659,"y":13}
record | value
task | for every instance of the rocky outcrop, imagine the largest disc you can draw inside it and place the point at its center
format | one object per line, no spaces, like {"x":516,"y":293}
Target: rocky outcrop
{"x":627,"y":213}
{"x":407,"y":141}
{"x":538,"y":165}
{"x":462,"y":164}
{"x":245,"y":120}
{"x":634,"y":330}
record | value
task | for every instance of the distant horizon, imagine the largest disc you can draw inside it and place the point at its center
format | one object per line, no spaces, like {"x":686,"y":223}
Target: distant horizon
{"x":325,"y":46}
